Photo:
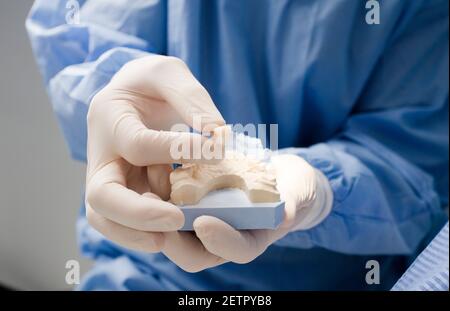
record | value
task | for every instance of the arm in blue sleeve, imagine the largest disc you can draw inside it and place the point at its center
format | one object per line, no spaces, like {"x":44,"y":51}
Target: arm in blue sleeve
{"x":77,"y":60}
{"x":388,"y":166}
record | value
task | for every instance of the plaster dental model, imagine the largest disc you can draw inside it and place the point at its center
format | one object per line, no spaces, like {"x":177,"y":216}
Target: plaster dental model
{"x":191,"y":182}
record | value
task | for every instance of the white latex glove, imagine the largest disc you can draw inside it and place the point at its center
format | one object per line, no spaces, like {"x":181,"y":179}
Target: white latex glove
{"x":308,"y":198}
{"x":129,"y":149}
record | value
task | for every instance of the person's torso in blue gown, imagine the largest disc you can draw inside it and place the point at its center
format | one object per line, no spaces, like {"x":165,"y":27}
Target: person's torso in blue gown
{"x":299,"y":64}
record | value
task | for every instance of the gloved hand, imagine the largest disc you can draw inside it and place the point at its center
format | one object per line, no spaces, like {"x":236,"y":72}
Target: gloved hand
{"x":308,"y":198}
{"x":129,"y":148}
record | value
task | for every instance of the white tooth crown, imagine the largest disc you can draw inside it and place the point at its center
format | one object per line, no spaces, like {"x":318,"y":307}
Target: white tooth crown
{"x":247,"y":145}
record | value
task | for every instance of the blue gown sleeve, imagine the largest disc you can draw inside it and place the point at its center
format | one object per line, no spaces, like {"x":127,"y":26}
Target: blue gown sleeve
{"x":388,"y":166}
{"x":78,"y":59}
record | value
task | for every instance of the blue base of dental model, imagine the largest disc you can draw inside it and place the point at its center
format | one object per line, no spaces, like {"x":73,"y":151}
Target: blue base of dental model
{"x":233,"y":207}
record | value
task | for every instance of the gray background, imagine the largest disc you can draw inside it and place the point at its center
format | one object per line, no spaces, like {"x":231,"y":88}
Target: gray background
{"x":40,"y":186}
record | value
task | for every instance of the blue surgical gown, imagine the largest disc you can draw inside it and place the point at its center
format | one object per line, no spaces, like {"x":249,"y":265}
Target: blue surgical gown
{"x":367,"y":104}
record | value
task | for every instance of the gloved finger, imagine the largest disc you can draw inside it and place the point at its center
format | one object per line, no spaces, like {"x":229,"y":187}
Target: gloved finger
{"x":186,"y":251}
{"x":298,"y":193}
{"x":287,"y":169}
{"x":172,"y":81}
{"x":158,"y":180}
{"x":142,"y":146}
{"x":133,"y":239}
{"x":224,"y":241}
{"x":107,"y":194}
{"x":190,"y":99}
{"x":290,"y":212}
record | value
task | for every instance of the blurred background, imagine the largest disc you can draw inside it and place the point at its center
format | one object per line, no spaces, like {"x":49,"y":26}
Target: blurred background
{"x":40,"y":186}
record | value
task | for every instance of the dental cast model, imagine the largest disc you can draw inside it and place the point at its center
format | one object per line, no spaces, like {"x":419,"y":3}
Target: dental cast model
{"x":191,"y":182}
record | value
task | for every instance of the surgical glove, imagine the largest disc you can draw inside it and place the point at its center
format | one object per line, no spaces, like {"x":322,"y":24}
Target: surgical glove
{"x":308,"y":198}
{"x":129,"y":148}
